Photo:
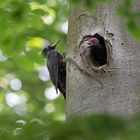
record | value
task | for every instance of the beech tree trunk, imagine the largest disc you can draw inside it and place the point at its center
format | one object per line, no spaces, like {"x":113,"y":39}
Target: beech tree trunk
{"x":116,"y":91}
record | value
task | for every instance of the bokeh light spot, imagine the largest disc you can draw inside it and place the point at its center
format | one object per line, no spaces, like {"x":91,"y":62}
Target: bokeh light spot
{"x":48,"y":19}
{"x":49,"y":108}
{"x":50,"y":93}
{"x":21,"y":122}
{"x":44,"y":74}
{"x":13,"y":99}
{"x":64,"y":27}
{"x":2,"y":57}
{"x":36,"y":42}
{"x":16,"y":84}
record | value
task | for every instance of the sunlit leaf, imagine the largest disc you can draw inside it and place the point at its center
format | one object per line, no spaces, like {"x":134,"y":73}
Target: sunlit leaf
{"x":36,"y":42}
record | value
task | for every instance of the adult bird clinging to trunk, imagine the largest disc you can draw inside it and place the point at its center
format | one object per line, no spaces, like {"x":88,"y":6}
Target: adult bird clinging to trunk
{"x":56,"y":67}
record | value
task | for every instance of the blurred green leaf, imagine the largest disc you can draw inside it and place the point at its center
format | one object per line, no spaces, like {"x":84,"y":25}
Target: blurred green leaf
{"x":97,"y":127}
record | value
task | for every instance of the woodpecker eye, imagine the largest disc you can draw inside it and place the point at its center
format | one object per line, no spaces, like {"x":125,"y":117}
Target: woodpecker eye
{"x":90,"y":43}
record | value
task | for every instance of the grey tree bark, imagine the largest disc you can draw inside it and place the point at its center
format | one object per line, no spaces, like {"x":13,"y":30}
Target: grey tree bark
{"x":117,"y":91}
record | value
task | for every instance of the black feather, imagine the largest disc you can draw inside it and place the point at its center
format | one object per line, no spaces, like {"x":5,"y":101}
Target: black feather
{"x":57,"y":68}
{"x":100,"y":50}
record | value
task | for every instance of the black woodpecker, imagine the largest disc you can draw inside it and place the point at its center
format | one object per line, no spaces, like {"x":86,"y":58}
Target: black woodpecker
{"x":56,"y":67}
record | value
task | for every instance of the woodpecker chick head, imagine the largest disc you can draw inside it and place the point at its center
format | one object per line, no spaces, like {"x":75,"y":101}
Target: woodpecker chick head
{"x":93,"y":50}
{"x":90,"y":42}
{"x":93,"y":41}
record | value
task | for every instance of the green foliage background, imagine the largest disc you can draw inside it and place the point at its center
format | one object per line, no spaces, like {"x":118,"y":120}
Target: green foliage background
{"x":26,"y":26}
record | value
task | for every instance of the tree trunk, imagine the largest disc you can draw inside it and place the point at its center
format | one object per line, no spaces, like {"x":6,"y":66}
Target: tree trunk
{"x":116,"y":91}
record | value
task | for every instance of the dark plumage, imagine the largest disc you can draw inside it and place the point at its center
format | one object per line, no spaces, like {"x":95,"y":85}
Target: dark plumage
{"x":56,"y":67}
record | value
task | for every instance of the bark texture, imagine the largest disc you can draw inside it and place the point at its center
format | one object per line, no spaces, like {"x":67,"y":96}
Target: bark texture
{"x":117,"y":91}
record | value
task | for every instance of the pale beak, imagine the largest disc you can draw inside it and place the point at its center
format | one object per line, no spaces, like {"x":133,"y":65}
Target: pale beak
{"x":54,"y":45}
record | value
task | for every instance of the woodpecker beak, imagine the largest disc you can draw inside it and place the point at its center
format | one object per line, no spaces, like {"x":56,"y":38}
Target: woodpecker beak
{"x":54,"y":45}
